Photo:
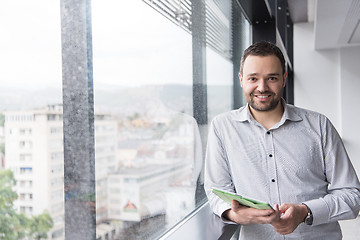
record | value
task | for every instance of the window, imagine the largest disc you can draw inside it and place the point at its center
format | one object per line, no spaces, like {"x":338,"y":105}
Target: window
{"x":22,"y":196}
{"x":26,"y":157}
{"x":22,"y":183}
{"x":55,"y":156}
{"x":219,"y":84}
{"x":30,"y":60}
{"x":25,"y":144}
{"x":26,"y":170}
{"x":56,"y":130}
{"x":145,"y":90}
{"x":51,"y":117}
{"x":26,"y":209}
{"x":142,"y":141}
{"x":25,"y":196}
{"x":25,"y":184}
{"x":25,"y":131}
{"x":57,"y":169}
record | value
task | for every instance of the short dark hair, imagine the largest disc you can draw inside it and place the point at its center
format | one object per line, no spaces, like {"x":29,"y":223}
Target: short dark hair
{"x":262,"y":48}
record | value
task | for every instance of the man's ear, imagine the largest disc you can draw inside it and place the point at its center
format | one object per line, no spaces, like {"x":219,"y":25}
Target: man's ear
{"x":285,"y":77}
{"x":241,"y":80}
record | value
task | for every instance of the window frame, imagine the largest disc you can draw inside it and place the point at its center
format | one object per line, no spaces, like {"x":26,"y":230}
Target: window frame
{"x":78,"y":99}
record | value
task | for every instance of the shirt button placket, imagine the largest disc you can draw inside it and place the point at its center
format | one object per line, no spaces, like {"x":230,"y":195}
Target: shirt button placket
{"x":272,"y":166}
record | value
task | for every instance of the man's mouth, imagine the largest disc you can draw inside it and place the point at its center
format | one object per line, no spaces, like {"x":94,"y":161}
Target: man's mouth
{"x":262,"y":96}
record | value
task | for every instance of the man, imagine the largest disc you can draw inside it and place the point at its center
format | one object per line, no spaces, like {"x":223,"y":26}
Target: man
{"x":274,"y":152}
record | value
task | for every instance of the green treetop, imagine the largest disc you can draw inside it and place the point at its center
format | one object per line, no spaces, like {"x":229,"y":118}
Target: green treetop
{"x":13,"y":225}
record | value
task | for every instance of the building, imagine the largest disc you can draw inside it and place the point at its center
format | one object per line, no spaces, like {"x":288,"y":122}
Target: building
{"x":34,"y":152}
{"x":151,"y":197}
{"x":184,"y":52}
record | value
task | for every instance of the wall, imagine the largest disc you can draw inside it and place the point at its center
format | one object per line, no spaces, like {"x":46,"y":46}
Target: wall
{"x":350,"y":111}
{"x":326,"y":81}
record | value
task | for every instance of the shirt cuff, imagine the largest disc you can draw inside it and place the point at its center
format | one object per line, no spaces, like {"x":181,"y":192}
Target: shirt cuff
{"x":320,"y":211}
{"x":221,"y":209}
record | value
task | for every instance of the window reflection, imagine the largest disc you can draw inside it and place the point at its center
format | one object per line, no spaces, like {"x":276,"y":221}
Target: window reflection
{"x":148,"y":163}
{"x":148,"y":150}
{"x":30,"y":83}
{"x":219,"y":84}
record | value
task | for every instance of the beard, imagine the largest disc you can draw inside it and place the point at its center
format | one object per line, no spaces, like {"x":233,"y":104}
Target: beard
{"x":264,"y":107}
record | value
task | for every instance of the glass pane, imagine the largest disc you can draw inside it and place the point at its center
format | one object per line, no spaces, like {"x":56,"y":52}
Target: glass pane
{"x":219,"y":84}
{"x":148,"y":153}
{"x":31,"y":135}
{"x":245,"y":34}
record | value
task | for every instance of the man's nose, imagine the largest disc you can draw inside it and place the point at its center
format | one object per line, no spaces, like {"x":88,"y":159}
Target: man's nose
{"x":262,"y":85}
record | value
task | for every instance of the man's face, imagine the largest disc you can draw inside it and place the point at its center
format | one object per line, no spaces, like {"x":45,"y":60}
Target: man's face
{"x":262,"y":82}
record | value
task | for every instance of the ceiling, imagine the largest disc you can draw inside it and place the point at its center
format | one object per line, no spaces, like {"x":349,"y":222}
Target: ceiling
{"x":336,"y":22}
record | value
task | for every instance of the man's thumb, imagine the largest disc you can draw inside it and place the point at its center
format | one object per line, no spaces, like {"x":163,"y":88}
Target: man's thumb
{"x":235,"y":205}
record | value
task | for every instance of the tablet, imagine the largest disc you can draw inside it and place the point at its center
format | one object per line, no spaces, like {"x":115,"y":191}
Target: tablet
{"x":228,"y":196}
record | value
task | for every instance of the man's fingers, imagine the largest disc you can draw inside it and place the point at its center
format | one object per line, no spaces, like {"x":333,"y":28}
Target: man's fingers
{"x":246,"y":215}
{"x":235,"y":206}
{"x":282,"y":227}
{"x":284,"y":207}
{"x":269,"y":219}
{"x":288,"y":214}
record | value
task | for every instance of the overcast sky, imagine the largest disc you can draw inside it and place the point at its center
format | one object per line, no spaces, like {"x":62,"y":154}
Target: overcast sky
{"x":132,"y":43}
{"x":30,"y":46}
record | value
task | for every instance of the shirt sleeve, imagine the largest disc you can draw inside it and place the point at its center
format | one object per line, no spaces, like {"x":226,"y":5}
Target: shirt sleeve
{"x":343,"y":198}
{"x":217,"y":172}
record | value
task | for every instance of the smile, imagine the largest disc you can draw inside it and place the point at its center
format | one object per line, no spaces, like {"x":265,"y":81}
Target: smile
{"x":262,"y":96}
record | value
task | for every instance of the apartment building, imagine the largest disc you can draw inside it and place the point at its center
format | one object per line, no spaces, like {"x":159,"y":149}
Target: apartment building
{"x":34,"y":152}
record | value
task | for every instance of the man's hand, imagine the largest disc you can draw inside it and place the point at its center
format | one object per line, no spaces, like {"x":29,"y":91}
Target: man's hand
{"x":245,"y":215}
{"x":292,"y":216}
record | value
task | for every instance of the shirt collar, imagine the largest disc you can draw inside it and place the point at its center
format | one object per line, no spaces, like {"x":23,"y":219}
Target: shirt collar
{"x":289,"y":113}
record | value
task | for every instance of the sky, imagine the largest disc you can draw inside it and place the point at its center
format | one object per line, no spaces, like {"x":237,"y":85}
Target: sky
{"x":133,"y":45}
{"x":30,"y":44}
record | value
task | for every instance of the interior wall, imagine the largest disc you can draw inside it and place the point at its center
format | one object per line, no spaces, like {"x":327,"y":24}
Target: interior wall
{"x":350,"y":109}
{"x":316,"y":79}
{"x":325,"y":81}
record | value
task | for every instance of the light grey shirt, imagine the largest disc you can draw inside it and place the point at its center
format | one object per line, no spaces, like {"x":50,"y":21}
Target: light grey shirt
{"x":301,"y":159}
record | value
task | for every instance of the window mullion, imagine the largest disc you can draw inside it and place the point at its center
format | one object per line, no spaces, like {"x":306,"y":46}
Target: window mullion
{"x":78,"y":112}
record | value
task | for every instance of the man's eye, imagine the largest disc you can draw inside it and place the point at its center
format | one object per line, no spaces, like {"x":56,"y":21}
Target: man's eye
{"x":252,"y":79}
{"x":272,"y":78}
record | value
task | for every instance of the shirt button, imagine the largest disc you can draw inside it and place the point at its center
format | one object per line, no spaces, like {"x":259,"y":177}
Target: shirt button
{"x":273,"y":180}
{"x":270,"y":155}
{"x":268,"y":132}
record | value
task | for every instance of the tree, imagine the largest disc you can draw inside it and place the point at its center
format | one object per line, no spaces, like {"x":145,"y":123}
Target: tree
{"x":2,"y":123}
{"x":2,"y":120}
{"x":2,"y":148}
{"x":40,"y":225}
{"x":13,"y":225}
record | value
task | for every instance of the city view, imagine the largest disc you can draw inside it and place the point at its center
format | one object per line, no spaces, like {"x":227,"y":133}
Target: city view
{"x":147,"y":167}
{"x":155,"y":73}
{"x":149,"y":149}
